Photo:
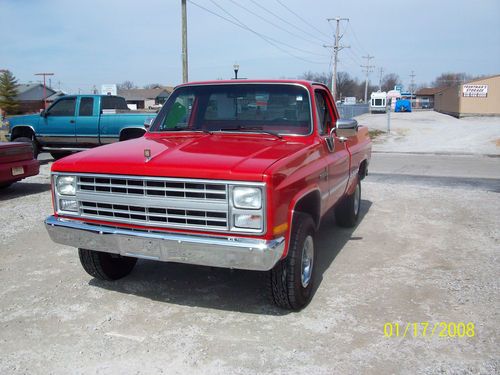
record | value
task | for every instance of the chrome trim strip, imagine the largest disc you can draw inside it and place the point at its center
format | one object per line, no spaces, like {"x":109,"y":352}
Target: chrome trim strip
{"x":65,"y":148}
{"x":227,"y":252}
{"x":341,"y":184}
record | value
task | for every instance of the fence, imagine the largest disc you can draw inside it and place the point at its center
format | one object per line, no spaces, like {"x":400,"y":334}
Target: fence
{"x":352,"y":110}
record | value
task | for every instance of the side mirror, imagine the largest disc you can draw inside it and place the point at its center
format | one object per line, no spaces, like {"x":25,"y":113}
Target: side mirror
{"x":43,"y":113}
{"x":346,"y":128}
{"x":148,"y":122}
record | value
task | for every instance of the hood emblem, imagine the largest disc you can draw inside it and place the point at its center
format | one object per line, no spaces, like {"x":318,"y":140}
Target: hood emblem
{"x":147,"y":154}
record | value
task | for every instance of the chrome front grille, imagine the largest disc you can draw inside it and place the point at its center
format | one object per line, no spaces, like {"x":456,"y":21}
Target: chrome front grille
{"x":153,"y":187}
{"x":159,"y":202}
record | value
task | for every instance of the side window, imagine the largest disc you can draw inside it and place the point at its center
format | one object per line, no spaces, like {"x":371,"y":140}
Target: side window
{"x":64,"y":107}
{"x":113,"y":102}
{"x":86,"y":107}
{"x":323,"y":112}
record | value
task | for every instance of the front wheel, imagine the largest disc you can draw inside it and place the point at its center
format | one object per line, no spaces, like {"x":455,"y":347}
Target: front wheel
{"x":347,"y":211}
{"x":290,"y":282}
{"x":105,"y":266}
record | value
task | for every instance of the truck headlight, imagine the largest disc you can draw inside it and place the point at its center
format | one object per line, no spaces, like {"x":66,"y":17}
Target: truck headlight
{"x":66,"y":185}
{"x":248,"y":221}
{"x":247,"y":197}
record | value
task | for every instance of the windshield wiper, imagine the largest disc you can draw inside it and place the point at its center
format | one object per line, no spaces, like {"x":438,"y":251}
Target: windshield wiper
{"x":183,"y":128}
{"x":251,"y":129}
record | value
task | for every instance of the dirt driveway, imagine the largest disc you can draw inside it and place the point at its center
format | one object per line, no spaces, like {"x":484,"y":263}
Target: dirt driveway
{"x":421,"y":253}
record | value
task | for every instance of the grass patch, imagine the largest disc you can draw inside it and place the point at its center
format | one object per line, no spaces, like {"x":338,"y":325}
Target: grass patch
{"x":374,"y":133}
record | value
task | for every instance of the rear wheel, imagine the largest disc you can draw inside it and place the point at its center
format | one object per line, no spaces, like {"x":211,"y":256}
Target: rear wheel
{"x":347,"y":211}
{"x":290,"y":282}
{"x":33,"y":142}
{"x":105,"y":266}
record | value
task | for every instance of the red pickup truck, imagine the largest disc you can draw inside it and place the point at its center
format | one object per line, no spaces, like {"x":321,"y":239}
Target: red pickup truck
{"x":234,"y":174}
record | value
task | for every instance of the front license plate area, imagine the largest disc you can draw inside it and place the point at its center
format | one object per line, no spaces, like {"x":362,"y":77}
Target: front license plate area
{"x":16,"y":171}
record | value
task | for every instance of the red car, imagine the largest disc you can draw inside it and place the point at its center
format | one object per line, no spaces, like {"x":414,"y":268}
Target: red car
{"x":16,"y":162}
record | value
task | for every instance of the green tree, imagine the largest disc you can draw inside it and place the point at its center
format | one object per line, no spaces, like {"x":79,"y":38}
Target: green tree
{"x":8,"y":92}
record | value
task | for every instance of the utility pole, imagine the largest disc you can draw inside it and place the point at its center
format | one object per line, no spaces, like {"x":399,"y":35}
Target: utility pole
{"x":184,"y":43}
{"x":336,"y":48}
{"x":412,"y":87}
{"x":368,"y":70}
{"x":44,"y":87}
{"x":381,"y":71}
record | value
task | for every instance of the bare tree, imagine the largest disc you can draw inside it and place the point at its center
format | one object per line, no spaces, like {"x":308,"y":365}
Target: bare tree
{"x":450,"y":79}
{"x":126,"y":85}
{"x":153,"y":86}
{"x":389,"y":81}
{"x":318,"y":77}
{"x":346,"y":85}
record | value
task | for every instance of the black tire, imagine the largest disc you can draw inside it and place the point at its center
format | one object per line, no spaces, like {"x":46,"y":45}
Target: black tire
{"x":36,"y":149}
{"x":105,"y":266}
{"x":59,"y":155}
{"x":5,"y":185}
{"x":347,"y":211}
{"x":284,"y":282}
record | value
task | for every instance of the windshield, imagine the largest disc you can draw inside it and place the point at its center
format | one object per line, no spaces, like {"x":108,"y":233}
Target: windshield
{"x":281,"y":109}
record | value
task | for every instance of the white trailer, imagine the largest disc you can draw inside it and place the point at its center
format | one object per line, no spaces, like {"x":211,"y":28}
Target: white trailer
{"x":378,"y":102}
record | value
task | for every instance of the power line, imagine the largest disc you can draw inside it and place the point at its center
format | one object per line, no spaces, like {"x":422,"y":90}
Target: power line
{"x":356,"y":38}
{"x":272,"y":23}
{"x":263,"y":37}
{"x":302,"y":19}
{"x":287,"y":22}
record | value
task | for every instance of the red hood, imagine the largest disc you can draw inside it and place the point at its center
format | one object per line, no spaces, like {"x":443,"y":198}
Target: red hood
{"x":217,"y":156}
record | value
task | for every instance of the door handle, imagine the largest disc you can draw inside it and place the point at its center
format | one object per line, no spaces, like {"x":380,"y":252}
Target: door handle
{"x":71,"y":121}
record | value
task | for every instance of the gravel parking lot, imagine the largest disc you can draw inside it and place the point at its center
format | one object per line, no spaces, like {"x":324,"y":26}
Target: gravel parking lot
{"x":421,"y":253}
{"x":425,"y":250}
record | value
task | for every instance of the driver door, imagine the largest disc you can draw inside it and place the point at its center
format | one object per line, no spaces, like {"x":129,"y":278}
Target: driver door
{"x":58,"y":124}
{"x":337,"y":154}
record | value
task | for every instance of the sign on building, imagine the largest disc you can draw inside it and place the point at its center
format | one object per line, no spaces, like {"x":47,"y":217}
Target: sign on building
{"x":108,"y":89}
{"x":477,"y":91}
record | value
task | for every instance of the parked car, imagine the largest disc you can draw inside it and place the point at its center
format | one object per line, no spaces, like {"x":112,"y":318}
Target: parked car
{"x":16,"y":162}
{"x":231,"y":174}
{"x":79,"y":122}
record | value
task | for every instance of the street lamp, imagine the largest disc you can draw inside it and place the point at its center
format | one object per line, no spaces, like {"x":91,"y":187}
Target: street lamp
{"x":236,"y":67}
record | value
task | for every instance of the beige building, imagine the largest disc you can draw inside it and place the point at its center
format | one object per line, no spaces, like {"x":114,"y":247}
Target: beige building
{"x":480,"y":97}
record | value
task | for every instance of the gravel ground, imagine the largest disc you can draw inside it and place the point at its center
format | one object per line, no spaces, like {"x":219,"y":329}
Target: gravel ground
{"x":420,"y":253}
{"x":433,"y":132}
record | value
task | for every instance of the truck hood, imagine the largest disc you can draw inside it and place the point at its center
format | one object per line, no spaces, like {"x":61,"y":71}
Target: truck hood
{"x":204,"y":156}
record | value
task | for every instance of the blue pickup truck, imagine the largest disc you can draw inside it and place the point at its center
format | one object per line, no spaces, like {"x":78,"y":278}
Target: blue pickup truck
{"x":78,"y":122}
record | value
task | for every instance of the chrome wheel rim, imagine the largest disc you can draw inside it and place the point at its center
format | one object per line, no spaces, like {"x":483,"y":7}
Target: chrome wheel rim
{"x":307,"y":261}
{"x":357,"y":198}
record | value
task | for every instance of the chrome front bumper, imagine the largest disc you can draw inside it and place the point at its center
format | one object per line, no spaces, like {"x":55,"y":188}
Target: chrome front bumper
{"x":227,"y":252}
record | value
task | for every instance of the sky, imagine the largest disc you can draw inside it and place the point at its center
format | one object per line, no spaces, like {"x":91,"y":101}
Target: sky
{"x":94,"y":42}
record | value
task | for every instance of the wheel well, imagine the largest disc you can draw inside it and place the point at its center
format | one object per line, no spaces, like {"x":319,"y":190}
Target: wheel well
{"x":311,"y":205}
{"x":131,"y":133}
{"x":22,"y":131}
{"x":363,"y":169}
